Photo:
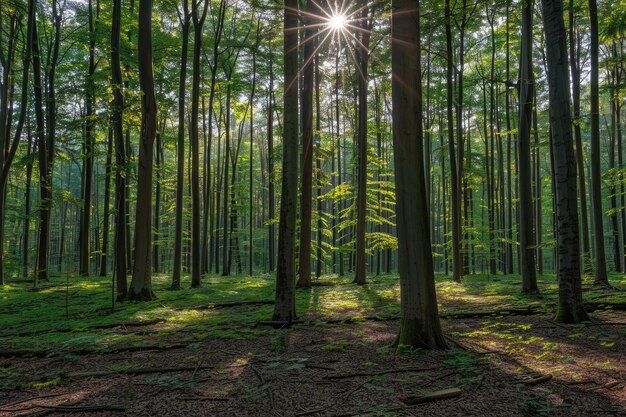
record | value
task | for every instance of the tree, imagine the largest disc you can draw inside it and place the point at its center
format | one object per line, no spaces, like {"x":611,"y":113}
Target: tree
{"x":198,"y":17}
{"x":596,"y":179}
{"x":526,"y":94}
{"x":8,"y":147}
{"x":141,"y":284}
{"x":285,"y":305}
{"x":362,"y":67}
{"x":419,"y":318}
{"x":457,"y":270}
{"x":185,"y":19}
{"x":570,"y":307}
{"x":304,"y":273}
{"x":120,"y":268}
{"x":85,"y":224}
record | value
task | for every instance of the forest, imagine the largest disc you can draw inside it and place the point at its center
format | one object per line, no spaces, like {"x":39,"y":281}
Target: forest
{"x":312,"y":208}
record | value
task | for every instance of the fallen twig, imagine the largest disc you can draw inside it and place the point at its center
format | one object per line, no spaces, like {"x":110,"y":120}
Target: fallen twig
{"x":538,"y":380}
{"x":437,"y":395}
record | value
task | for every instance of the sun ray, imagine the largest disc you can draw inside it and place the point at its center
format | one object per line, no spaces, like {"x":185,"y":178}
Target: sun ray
{"x":308,"y":61}
{"x":356,"y":62}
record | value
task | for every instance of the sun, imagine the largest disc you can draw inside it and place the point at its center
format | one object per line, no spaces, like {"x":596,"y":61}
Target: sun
{"x":337,"y":22}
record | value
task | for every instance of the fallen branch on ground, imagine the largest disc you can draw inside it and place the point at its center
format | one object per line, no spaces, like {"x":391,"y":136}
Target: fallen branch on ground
{"x":538,"y":380}
{"x":437,"y":395}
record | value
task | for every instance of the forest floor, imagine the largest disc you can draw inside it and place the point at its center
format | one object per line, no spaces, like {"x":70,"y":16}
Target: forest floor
{"x":63,"y":351}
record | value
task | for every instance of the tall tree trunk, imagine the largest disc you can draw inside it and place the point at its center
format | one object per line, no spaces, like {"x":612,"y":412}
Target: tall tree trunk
{"x":141,"y":284}
{"x":582,"y":185}
{"x":419,"y":317}
{"x":457,"y":270}
{"x":304,"y":275}
{"x":212,"y":209}
{"x":285,"y":305}
{"x":596,"y":178}
{"x":251,"y":171}
{"x":538,"y":187}
{"x":198,"y":17}
{"x":225,"y":240}
{"x":526,"y":94}
{"x":185,"y":20}
{"x":570,"y":307}
{"x":43,"y":237}
{"x":121,"y":259}
{"x":270,"y":169}
{"x":362,"y":146}
{"x":85,"y":250}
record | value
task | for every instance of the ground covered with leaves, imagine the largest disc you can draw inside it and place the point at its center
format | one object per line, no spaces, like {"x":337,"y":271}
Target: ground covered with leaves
{"x":65,"y":350}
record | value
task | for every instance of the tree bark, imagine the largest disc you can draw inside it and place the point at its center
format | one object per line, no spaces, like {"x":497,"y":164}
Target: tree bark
{"x":570,"y":307}
{"x":121,"y":238}
{"x":526,"y":95}
{"x":141,"y":284}
{"x":285,"y":305}
{"x":596,"y":177}
{"x":360,"y":276}
{"x":419,"y":318}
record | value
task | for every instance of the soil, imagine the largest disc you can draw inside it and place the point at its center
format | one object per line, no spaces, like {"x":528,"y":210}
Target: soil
{"x":504,"y":366}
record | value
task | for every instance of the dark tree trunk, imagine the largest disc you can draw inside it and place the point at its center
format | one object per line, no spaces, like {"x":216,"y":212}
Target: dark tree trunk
{"x":454,"y":180}
{"x":180,"y":148}
{"x":198,"y":17}
{"x":304,"y":273}
{"x":85,"y":223}
{"x":120,"y":268}
{"x":570,"y":306}
{"x":270,"y":169}
{"x":419,"y":317}
{"x":285,"y":306}
{"x":582,"y":185}
{"x":107,"y":203}
{"x":596,"y":176}
{"x":141,"y":284}
{"x":526,"y":94}
{"x":361,"y":225}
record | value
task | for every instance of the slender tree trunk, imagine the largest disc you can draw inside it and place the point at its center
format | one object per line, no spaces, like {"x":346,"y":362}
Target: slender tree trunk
{"x":582,"y":185}
{"x":180,"y":148}
{"x":526,"y":94}
{"x":107,"y":203}
{"x":454,"y":181}
{"x":362,"y":146}
{"x":538,"y":187}
{"x":85,"y":250}
{"x":596,"y":177}
{"x":304,"y":275}
{"x":198,"y":17}
{"x":225,"y":240}
{"x":120,"y":240}
{"x":270,"y":169}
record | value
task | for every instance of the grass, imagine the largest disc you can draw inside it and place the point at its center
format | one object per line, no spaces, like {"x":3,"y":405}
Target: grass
{"x":43,"y":320}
